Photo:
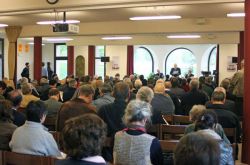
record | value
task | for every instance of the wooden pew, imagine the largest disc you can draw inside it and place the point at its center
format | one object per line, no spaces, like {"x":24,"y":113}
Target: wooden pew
{"x":181,"y":120}
{"x":168,"y":145}
{"x":12,"y":158}
{"x":168,"y":119}
{"x":154,"y":130}
{"x":172,"y":131}
{"x":50,"y":123}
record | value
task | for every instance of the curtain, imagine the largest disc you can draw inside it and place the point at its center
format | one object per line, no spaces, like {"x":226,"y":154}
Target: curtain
{"x":241,"y":51}
{"x":12,"y":33}
{"x":70,"y":60}
{"x":91,"y":57}
{"x":217,"y":64}
{"x":130,"y":59}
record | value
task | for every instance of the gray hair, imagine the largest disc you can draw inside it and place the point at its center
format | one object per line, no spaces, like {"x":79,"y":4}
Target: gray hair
{"x":196,"y":111}
{"x":26,"y":88}
{"x":194,"y":84}
{"x":137,"y":111}
{"x":145,"y":94}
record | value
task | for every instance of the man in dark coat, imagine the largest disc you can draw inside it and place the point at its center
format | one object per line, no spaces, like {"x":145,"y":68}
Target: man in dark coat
{"x":175,"y":71}
{"x":26,"y":72}
{"x":112,"y":115}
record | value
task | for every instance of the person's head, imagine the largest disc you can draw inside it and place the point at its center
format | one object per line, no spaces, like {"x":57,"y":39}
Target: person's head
{"x":83,"y":136}
{"x":197,"y":149}
{"x":225,"y":84}
{"x":3,"y":86}
{"x":15,"y":97}
{"x":145,"y":94}
{"x":121,"y":91}
{"x":36,"y":111}
{"x":137,"y":112}
{"x":175,"y":82}
{"x":54,"y":93}
{"x":218,"y":97}
{"x":194,"y":84}
{"x":242,"y":64}
{"x":195,"y":112}
{"x":105,"y":88}
{"x":206,"y":120}
{"x":72,"y":83}
{"x":158,"y":71}
{"x":168,"y":84}
{"x":117,"y":76}
{"x":220,"y":89}
{"x":26,"y":88}
{"x":160,"y":81}
{"x":86,"y":92}
{"x":44,"y":81}
{"x":48,"y":64}
{"x":175,"y":65}
{"x":52,"y":83}
{"x":27,"y":64}
{"x":43,"y":64}
{"x":159,"y":88}
{"x":138,"y":84}
{"x":5,"y":110}
{"x":208,"y":80}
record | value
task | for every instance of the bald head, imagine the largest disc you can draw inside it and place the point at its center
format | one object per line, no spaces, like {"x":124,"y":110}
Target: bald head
{"x":220,"y":89}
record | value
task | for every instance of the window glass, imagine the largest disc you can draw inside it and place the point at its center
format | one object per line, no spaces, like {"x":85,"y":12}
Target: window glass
{"x":99,"y":67}
{"x":61,"y":68}
{"x":61,"y":50}
{"x":100,"y":51}
{"x":184,"y":59}
{"x":143,"y":62}
{"x":212,"y":60}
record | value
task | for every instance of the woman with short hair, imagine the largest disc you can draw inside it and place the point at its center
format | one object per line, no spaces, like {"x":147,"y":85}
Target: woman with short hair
{"x":133,"y":145}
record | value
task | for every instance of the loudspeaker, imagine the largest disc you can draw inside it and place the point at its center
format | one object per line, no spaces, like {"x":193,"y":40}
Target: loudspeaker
{"x":235,"y":60}
{"x":104,"y":59}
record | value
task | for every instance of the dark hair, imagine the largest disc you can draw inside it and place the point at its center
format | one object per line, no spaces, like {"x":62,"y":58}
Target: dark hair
{"x":15,"y":97}
{"x":3,"y":85}
{"x":197,"y":149}
{"x":5,"y":110}
{"x":52,"y":82}
{"x":26,"y":64}
{"x":105,"y":88}
{"x":53,"y":92}
{"x":207,"y":119}
{"x":86,"y":90}
{"x":83,"y":136}
{"x":35,"y":111}
{"x":175,"y":82}
{"x":218,"y":96}
{"x":121,"y":90}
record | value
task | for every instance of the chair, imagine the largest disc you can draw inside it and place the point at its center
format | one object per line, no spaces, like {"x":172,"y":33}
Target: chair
{"x":154,"y":130}
{"x":173,"y":131}
{"x":181,"y":119}
{"x":12,"y":158}
{"x":50,"y":123}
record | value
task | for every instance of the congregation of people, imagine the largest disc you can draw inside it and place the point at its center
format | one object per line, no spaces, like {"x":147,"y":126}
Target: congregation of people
{"x":105,"y":120}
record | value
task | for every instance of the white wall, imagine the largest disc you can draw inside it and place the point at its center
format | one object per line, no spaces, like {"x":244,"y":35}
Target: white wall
{"x":48,"y":54}
{"x":225,"y":51}
{"x":121,"y":52}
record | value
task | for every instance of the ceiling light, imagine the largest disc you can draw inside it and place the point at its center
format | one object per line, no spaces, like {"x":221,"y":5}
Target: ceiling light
{"x":155,"y":17}
{"x":117,"y":38}
{"x":236,"y":15}
{"x":58,"y":39}
{"x":32,"y":43}
{"x":57,"y":22}
{"x":3,"y":25}
{"x":183,"y":36}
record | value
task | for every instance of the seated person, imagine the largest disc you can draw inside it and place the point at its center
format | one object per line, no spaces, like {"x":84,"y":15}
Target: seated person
{"x":204,"y":125}
{"x":83,"y":138}
{"x":175,"y":71}
{"x":146,"y":149}
{"x":194,"y":114}
{"x":197,"y":149}
{"x":6,"y":126}
{"x":32,"y":138}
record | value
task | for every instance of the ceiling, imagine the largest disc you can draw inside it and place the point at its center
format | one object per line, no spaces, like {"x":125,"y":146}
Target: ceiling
{"x":111,"y":17}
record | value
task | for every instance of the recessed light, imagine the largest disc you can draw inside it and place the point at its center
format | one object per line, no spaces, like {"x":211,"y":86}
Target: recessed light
{"x":32,"y":43}
{"x":155,"y":17}
{"x":117,"y":38}
{"x":236,"y":15}
{"x":183,"y":36}
{"x":58,"y":39}
{"x":3,"y":25}
{"x":57,"y":22}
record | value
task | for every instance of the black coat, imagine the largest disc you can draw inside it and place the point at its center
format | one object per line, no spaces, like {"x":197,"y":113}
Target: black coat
{"x":175,"y":72}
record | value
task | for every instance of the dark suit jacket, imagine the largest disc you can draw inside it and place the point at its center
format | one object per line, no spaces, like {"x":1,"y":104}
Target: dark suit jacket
{"x":175,"y":72}
{"x":228,"y":105}
{"x":18,"y":118}
{"x":71,"y":109}
{"x":177,"y":103}
{"x":68,"y":93}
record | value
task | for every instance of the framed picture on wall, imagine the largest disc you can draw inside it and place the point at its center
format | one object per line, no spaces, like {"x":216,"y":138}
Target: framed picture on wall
{"x":115,"y":62}
{"x":231,"y":66}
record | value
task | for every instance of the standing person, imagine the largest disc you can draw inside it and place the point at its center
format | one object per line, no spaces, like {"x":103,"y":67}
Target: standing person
{"x":44,"y":71}
{"x":159,"y":74}
{"x":26,"y":71}
{"x":175,"y":71}
{"x":50,"y":71}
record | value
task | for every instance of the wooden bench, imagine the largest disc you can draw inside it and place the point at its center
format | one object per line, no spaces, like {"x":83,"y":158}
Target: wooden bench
{"x":12,"y":158}
{"x":154,"y":130}
{"x":181,"y":120}
{"x":174,"y":131}
{"x":168,"y":145}
{"x":50,"y":123}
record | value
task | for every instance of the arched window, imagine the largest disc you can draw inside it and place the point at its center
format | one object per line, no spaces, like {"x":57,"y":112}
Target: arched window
{"x":212,"y":60}
{"x":185,"y":60}
{"x":143,"y":62}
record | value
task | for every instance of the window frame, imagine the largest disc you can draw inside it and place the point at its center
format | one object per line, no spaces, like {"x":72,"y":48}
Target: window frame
{"x":59,"y":58}
{"x":209,"y":57}
{"x":151,"y":56}
{"x":172,"y":52}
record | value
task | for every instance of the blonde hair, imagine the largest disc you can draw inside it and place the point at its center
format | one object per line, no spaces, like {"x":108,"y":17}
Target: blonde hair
{"x":145,"y":94}
{"x":159,"y":88}
{"x":196,"y":111}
